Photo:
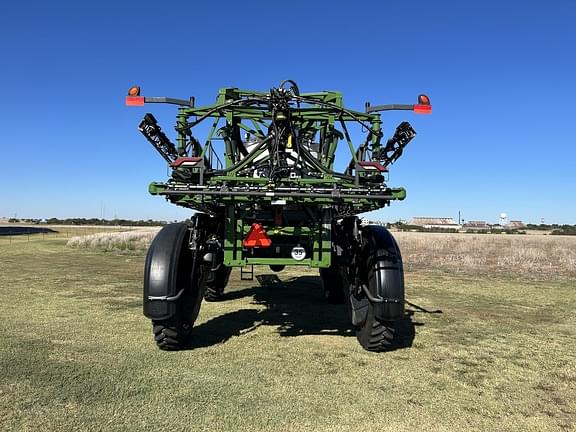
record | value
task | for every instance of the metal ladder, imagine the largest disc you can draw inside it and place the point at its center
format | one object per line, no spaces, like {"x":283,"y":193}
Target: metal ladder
{"x":245,"y":274}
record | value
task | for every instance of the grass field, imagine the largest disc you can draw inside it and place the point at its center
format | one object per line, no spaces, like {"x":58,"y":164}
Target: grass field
{"x":77,"y":354}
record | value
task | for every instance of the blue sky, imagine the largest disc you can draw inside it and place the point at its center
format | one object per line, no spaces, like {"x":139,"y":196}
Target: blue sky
{"x":501,"y":77}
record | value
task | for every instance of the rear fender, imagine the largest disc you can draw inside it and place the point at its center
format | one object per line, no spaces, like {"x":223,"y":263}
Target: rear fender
{"x":167,"y":272}
{"x":385,"y":282}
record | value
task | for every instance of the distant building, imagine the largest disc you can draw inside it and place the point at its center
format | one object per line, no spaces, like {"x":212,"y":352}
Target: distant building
{"x":516,"y":225}
{"x":365,"y":222}
{"x":435,"y":222}
{"x":476,"y":225}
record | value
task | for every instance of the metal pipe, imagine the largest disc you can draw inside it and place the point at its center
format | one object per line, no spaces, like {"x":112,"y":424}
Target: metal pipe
{"x":280,"y":189}
{"x":277,"y":194}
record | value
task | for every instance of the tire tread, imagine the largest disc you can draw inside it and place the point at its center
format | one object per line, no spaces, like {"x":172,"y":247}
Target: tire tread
{"x":171,"y":335}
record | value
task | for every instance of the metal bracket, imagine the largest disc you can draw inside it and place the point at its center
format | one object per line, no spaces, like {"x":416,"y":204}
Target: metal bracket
{"x":389,"y":107}
{"x":378,"y":299}
{"x":170,"y":100}
{"x":167,"y":298}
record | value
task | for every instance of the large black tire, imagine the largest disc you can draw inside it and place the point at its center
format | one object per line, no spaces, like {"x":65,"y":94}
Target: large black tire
{"x":333,"y":290}
{"x":171,"y":335}
{"x":374,"y":333}
{"x":169,"y":263}
{"x":174,"y":333}
{"x":214,"y":288}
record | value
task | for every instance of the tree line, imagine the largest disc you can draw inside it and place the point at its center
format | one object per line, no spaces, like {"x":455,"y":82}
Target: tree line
{"x":90,"y":221}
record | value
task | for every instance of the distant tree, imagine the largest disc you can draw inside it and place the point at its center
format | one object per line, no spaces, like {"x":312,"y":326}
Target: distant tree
{"x":105,"y":222}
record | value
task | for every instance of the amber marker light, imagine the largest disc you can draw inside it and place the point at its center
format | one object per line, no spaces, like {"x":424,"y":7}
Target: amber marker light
{"x":134,"y":98}
{"x":134,"y":91}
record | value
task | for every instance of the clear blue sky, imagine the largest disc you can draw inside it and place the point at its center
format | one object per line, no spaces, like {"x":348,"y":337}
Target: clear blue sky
{"x":501,"y":77}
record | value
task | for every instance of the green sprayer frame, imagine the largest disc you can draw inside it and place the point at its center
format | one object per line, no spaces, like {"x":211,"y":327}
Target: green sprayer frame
{"x":276,"y":168}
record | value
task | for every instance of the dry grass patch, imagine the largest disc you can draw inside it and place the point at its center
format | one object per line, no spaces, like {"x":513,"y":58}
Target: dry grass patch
{"x":136,"y":240}
{"x":535,"y":257}
{"x":529,"y":256}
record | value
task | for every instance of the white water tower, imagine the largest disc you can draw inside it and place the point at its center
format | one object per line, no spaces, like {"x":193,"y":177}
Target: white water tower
{"x":503,"y":219}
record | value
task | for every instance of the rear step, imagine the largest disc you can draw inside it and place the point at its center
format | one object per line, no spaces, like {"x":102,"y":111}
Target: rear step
{"x":245,"y":274}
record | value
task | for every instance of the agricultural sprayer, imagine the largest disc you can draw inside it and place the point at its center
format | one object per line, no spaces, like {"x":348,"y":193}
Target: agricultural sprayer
{"x":269,"y":189}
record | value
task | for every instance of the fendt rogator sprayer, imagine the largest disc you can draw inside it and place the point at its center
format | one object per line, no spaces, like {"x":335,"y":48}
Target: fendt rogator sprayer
{"x":266,"y":192}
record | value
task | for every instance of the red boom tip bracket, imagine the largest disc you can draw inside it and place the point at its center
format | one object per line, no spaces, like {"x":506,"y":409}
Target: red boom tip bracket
{"x":372,"y":166}
{"x":186,"y":162}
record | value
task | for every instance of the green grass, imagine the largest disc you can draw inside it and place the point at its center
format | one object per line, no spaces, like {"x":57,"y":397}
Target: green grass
{"x":77,"y":354}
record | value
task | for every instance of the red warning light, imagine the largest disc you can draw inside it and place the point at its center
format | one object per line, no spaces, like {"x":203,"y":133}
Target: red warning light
{"x":423,"y":109}
{"x":423,"y":106}
{"x":135,"y":100}
{"x":257,"y":237}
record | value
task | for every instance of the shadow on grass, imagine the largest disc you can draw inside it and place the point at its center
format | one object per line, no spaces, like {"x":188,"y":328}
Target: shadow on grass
{"x":295,"y":307}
